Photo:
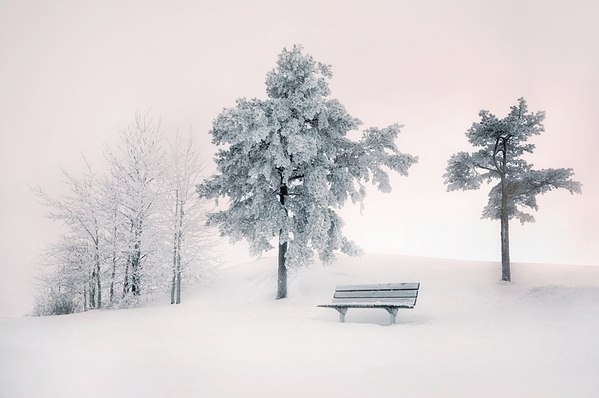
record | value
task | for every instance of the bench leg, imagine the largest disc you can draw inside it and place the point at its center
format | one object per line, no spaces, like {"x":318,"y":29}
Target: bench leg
{"x":392,"y":315}
{"x":342,"y":312}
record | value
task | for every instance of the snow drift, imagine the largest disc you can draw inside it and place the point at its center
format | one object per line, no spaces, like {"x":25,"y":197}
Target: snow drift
{"x":470,"y":335}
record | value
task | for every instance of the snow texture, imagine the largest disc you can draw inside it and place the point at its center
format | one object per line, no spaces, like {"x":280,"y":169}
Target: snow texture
{"x":469,"y":336}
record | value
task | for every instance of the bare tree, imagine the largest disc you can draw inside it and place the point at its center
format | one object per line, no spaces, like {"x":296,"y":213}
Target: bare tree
{"x":135,"y":169}
{"x":121,"y":228}
{"x":193,"y":243}
{"x":80,"y":212}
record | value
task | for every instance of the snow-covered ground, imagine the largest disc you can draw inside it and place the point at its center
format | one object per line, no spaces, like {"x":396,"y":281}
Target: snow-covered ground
{"x":469,"y":336}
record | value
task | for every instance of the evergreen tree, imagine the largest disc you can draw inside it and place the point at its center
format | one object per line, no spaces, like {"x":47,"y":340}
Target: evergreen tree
{"x":286,"y":164}
{"x":502,"y":144}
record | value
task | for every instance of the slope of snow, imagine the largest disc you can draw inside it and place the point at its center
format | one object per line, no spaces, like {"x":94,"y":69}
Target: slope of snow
{"x":469,"y":335}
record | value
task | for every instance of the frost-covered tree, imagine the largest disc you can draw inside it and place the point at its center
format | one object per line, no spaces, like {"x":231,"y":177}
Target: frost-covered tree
{"x":115,"y":241}
{"x":191,"y":244}
{"x":286,"y":164}
{"x":68,"y":273}
{"x":80,"y":212}
{"x":503,"y":143}
{"x":137,"y":230}
{"x":135,"y":168}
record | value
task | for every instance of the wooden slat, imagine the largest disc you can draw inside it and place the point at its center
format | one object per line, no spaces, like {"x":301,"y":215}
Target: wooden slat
{"x":380,"y":286}
{"x":373,"y":300}
{"x":377,"y":293}
{"x":366,"y":305}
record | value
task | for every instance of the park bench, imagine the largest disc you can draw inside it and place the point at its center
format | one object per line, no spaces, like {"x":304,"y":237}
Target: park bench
{"x":388,"y":296}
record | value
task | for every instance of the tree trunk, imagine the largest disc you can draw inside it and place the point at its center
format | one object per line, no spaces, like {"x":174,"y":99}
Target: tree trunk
{"x":505,"y":243}
{"x":84,"y":297}
{"x":177,"y":238}
{"x":98,"y":276}
{"x":99,"y":285}
{"x":282,"y":275}
{"x":113,"y":273}
{"x":505,"y":226}
{"x":173,"y":287}
{"x":178,"y":298}
{"x":136,"y":262}
{"x":126,"y":279}
{"x":178,"y":271}
{"x":179,"y":244}
{"x":113,"y":276}
{"x":135,"y":276}
{"x":92,"y":289}
{"x":174,"y":280}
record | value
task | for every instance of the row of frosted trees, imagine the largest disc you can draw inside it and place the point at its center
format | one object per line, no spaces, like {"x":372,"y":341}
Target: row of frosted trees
{"x":285,"y":164}
{"x":135,"y":231}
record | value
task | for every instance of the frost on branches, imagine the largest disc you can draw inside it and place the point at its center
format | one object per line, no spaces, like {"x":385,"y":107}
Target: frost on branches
{"x":137,"y":231}
{"x":502,"y":144}
{"x":285,"y":164}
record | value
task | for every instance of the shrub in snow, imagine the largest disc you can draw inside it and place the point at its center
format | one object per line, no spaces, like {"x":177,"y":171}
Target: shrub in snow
{"x":55,"y":303}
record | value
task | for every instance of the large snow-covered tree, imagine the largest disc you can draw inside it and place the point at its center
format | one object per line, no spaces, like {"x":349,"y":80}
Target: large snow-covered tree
{"x":285,"y":164}
{"x":503,"y":143}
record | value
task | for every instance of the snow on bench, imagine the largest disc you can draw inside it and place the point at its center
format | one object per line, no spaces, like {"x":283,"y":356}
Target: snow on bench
{"x":389,"y":296}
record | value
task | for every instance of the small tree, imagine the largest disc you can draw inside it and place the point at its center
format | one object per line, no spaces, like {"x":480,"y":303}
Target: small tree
{"x":80,"y":211}
{"x":66,"y":271}
{"x":502,"y":144}
{"x":285,"y":164}
{"x":116,"y":235}
{"x":191,"y":243}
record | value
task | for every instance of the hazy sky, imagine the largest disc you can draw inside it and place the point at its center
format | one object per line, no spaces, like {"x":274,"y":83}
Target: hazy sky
{"x":73,"y":73}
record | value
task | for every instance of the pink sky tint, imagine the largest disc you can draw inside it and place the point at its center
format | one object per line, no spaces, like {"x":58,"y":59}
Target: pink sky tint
{"x":72,"y":74}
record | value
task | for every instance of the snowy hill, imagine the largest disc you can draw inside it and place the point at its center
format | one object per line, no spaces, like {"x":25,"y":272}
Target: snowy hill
{"x":469,"y":336}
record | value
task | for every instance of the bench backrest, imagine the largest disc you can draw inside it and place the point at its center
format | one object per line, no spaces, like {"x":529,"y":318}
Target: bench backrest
{"x":401,"y":294}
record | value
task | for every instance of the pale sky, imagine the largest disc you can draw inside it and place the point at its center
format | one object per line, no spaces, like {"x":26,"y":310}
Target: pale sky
{"x":73,"y":73}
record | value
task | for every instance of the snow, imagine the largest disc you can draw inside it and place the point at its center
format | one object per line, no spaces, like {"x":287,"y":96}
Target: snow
{"x":469,"y":335}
